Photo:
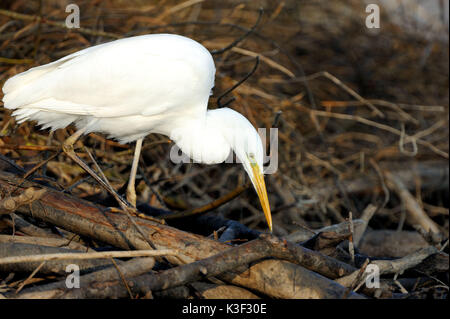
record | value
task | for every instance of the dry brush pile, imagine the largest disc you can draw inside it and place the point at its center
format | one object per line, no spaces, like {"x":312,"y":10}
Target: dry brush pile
{"x":362,"y":175}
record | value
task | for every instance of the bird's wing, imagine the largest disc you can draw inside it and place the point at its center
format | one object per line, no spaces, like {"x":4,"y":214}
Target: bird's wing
{"x":135,"y":76}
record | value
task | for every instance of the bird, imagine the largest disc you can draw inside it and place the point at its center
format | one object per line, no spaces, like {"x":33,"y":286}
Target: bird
{"x":132,"y":87}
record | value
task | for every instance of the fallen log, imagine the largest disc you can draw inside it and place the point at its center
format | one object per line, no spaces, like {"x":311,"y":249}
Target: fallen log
{"x":100,"y":223}
{"x":310,"y":284}
{"x":96,"y":284}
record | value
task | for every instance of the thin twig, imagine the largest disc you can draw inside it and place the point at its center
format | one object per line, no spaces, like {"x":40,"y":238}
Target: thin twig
{"x":241,"y":38}
{"x":219,"y":99}
{"x":351,"y":247}
{"x":94,"y":255}
{"x":26,"y":281}
{"x":122,"y":277}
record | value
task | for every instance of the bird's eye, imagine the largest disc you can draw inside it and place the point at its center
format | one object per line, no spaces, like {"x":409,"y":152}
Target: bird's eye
{"x":252,"y":159}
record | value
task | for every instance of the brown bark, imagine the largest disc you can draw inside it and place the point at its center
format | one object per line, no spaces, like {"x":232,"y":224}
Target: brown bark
{"x":287,"y":277}
{"x":100,"y":223}
{"x":107,"y":283}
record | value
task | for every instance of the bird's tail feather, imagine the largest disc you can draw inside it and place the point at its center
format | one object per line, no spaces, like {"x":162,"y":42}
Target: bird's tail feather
{"x":20,"y":91}
{"x":19,"y":81}
{"x":44,"y":118}
{"x":29,"y":101}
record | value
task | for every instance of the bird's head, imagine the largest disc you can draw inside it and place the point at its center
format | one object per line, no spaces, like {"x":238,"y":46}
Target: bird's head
{"x":246,"y":143}
{"x":210,"y":141}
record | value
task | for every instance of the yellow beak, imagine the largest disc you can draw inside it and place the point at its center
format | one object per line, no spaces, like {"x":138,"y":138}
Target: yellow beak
{"x":260,"y":186}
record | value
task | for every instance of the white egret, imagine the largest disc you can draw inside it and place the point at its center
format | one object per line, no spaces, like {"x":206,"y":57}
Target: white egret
{"x":135,"y":86}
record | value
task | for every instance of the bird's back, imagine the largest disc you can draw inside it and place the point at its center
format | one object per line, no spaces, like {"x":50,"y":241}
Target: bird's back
{"x":146,"y":76}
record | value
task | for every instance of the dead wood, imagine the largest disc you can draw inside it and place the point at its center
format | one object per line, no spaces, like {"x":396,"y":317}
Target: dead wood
{"x":429,"y":259}
{"x":17,"y":223}
{"x":436,"y":263}
{"x":107,"y":283}
{"x":397,"y":266}
{"x":390,"y":243}
{"x":305,"y":284}
{"x":302,"y":235}
{"x":84,"y":256}
{"x":432,"y":174}
{"x":212,"y":291}
{"x":10,"y":203}
{"x":44,"y":241}
{"x":366,"y":216}
{"x":206,"y":291}
{"x":57,"y":267}
{"x":281,"y":279}
{"x":99,"y":223}
{"x":417,"y":215}
{"x":308,"y":285}
{"x":326,"y":242}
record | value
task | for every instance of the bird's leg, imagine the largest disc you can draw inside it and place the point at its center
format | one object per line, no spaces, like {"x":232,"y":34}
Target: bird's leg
{"x":68,"y":149}
{"x":131,"y":192}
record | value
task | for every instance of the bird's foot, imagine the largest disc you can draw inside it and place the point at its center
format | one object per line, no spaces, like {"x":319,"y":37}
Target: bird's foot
{"x":131,"y":196}
{"x":68,"y":144}
{"x":67,"y":147}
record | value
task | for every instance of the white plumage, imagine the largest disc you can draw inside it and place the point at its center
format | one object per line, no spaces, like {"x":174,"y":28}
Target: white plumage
{"x":135,"y":80}
{"x":135,"y":86}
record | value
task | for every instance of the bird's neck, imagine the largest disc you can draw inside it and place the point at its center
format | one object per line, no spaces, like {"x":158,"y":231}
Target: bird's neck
{"x":203,"y":139}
